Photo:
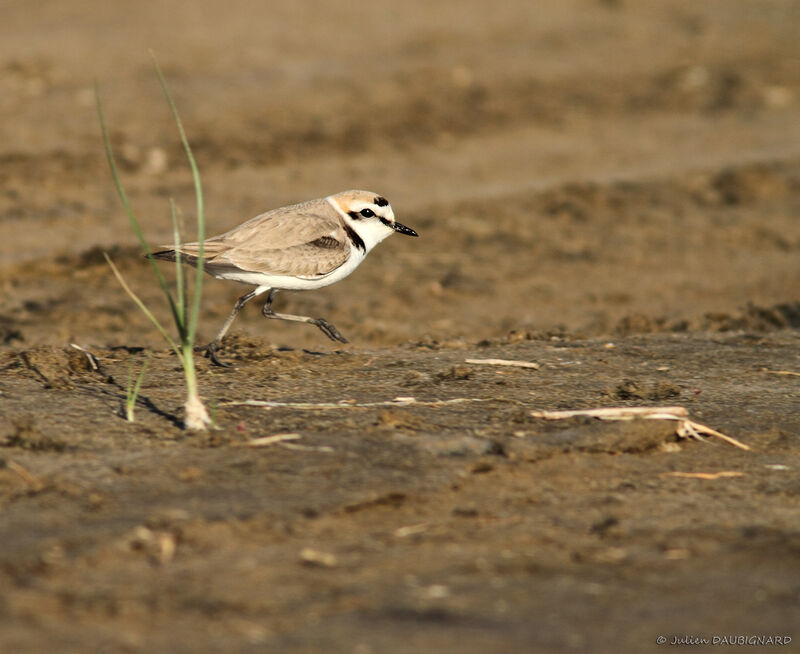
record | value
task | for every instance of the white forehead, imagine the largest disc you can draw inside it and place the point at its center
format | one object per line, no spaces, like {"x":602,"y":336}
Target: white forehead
{"x":358,"y":205}
{"x":349,"y":202}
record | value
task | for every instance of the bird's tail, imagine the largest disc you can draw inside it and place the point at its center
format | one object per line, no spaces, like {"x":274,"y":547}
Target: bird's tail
{"x":170,"y":255}
{"x":166,"y":255}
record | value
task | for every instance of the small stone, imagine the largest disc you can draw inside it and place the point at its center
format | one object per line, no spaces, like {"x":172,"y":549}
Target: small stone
{"x":417,"y":378}
{"x":456,"y":373}
{"x":316,"y":558}
{"x":458,"y":446}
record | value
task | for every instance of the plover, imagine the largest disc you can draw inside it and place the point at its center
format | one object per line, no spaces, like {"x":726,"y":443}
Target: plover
{"x":300,"y":247}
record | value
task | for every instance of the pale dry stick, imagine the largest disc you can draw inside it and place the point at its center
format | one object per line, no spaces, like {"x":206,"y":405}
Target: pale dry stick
{"x":704,"y":475}
{"x":789,"y":373}
{"x":711,"y":432}
{"x":166,"y":547}
{"x":264,"y":441}
{"x":617,"y":413}
{"x":93,"y":363}
{"x":307,"y":448}
{"x":34,"y":482}
{"x":411,"y":530}
{"x":159,"y":545}
{"x":504,"y":362}
{"x":686,"y":428}
{"x":346,"y":404}
{"x":312,"y":557}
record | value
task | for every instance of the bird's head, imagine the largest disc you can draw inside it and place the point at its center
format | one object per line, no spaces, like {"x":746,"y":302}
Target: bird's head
{"x":369,"y":214}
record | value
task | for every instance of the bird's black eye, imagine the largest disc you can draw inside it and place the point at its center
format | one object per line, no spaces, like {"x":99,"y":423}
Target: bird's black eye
{"x":367,"y":213}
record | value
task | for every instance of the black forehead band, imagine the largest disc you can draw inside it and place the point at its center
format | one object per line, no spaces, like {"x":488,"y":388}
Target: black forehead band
{"x":380,"y":202}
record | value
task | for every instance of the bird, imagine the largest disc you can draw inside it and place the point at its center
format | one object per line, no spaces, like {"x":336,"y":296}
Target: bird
{"x":298,"y":247}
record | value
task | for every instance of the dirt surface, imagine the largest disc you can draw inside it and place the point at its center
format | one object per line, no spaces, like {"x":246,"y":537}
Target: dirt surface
{"x":607,"y":189}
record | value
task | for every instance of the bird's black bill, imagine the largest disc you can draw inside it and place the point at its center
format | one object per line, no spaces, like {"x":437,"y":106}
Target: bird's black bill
{"x":403,"y":229}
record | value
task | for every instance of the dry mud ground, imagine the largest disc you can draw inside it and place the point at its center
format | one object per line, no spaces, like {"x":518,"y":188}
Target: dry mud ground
{"x":608,"y":189}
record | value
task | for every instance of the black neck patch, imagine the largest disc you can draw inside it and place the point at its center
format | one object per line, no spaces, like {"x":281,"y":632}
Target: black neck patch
{"x":355,"y":238}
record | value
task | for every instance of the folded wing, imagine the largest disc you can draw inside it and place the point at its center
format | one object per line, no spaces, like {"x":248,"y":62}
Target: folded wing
{"x":305,"y":240}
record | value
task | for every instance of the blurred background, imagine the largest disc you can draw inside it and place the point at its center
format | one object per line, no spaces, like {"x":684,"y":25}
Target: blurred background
{"x":590,"y":166}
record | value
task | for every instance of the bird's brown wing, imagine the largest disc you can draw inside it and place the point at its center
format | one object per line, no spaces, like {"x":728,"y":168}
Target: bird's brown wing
{"x":314,"y":258}
{"x":303,"y":240}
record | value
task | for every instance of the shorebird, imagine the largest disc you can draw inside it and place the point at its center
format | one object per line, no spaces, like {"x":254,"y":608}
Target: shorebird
{"x":300,"y":247}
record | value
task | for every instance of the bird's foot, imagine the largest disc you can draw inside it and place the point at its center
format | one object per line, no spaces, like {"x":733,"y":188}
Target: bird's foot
{"x":329,"y":330}
{"x":210,"y":352}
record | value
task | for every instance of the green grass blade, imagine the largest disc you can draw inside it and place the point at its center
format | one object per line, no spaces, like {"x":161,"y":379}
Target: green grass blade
{"x":132,"y":392}
{"x":198,"y":188}
{"x":181,"y":299}
{"x":143,"y":307}
{"x":129,"y":399}
{"x":137,"y":387}
{"x":123,"y":196}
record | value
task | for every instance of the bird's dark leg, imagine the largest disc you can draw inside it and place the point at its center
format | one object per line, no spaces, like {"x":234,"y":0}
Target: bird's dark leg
{"x":211,"y":349}
{"x":327,"y":328}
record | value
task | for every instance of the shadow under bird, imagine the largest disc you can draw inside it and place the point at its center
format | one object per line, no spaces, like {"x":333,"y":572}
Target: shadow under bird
{"x":296,"y":248}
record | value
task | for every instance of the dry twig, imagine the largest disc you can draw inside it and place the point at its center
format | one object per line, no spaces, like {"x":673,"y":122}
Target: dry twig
{"x":350,"y":404}
{"x":312,"y":557}
{"x":617,"y":413}
{"x":788,"y":373}
{"x":28,"y":477}
{"x":411,"y":530}
{"x":686,"y":428}
{"x":93,"y":363}
{"x":695,"y":428}
{"x":704,"y":475}
{"x":307,"y":448}
{"x":264,"y":441}
{"x":504,"y":362}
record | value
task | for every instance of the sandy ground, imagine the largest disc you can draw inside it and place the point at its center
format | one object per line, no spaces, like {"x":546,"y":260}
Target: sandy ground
{"x":608,"y":189}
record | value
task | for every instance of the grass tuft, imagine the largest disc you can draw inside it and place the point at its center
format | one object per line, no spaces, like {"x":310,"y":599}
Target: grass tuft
{"x":184,"y":314}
